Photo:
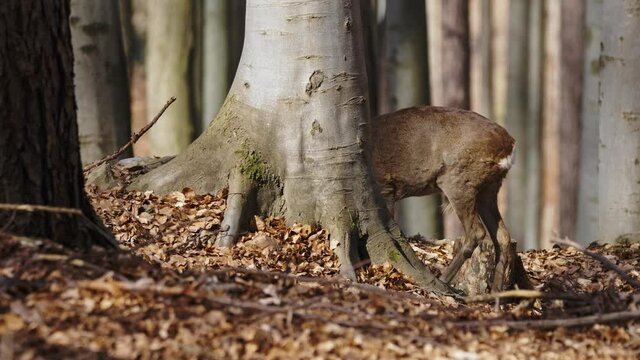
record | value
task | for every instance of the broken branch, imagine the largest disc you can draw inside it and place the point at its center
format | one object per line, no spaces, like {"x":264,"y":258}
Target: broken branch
{"x":134,"y":138}
{"x":36,"y":208}
{"x":602,"y":259}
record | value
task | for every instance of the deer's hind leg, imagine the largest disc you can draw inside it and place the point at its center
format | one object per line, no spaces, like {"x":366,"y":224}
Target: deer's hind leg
{"x":463,"y":201}
{"x":504,"y":254}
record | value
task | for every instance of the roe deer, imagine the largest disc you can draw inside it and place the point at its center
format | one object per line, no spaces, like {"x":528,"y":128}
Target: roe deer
{"x":425,"y":150}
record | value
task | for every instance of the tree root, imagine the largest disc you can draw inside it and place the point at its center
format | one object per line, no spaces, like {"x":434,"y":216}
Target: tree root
{"x":240,"y":190}
{"x":389,"y":246}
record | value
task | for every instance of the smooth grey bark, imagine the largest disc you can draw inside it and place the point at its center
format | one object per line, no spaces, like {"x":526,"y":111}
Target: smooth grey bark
{"x":216,"y":57}
{"x":516,"y":114}
{"x":295,"y":123}
{"x":101,"y":81}
{"x":587,"y":222}
{"x":533,"y":128}
{"x":455,"y":74}
{"x":168,"y":50}
{"x":403,"y":82}
{"x":619,"y":182}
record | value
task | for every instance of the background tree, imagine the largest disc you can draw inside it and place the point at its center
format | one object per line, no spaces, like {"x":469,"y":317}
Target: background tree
{"x":101,"y":80}
{"x":533,"y":129}
{"x":292,"y":135}
{"x":168,"y":56}
{"x":619,"y":185}
{"x":40,"y":162}
{"x":561,"y":114}
{"x":216,"y":58}
{"x":587,"y":222}
{"x":480,"y":56}
{"x":455,"y":74}
{"x":133,"y":14}
{"x":403,"y":82}
{"x":515,"y":120}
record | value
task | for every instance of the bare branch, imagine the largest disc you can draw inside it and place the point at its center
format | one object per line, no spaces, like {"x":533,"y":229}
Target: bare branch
{"x":44,"y":208}
{"x":603,"y":259}
{"x":620,"y":316}
{"x":134,"y":138}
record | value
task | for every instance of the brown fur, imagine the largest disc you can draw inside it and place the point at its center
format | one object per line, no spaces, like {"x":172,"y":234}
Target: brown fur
{"x":424,"y":150}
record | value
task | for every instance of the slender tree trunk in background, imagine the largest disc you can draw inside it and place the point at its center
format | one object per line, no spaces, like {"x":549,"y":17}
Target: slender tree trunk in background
{"x":455,"y":75}
{"x":499,"y":72}
{"x":434,"y":50}
{"x":561,"y":109}
{"x":404,"y":83}
{"x":169,"y":45}
{"x":480,"y":30}
{"x":292,"y":136}
{"x":619,"y":186}
{"x":587,"y":223}
{"x":40,"y":162}
{"x":134,"y":23}
{"x":101,"y":81}
{"x":369,"y":28}
{"x":215,"y":81}
{"x":516,"y":114}
{"x":570,"y":112}
{"x":237,"y":11}
{"x":500,"y":11}
{"x":550,"y":126}
{"x":533,"y":128}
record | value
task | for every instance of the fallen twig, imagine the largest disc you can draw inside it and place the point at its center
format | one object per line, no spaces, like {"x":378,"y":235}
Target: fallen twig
{"x":134,"y":138}
{"x":546,"y":324}
{"x":36,"y":208}
{"x":521,"y":294}
{"x":331,"y":281}
{"x":61,"y":210}
{"x":601,"y":258}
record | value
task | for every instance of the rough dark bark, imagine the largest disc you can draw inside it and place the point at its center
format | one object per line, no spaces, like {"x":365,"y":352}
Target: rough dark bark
{"x":40,"y":157}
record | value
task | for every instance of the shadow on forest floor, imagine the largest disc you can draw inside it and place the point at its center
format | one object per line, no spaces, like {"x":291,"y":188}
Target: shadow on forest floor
{"x":172,"y":294}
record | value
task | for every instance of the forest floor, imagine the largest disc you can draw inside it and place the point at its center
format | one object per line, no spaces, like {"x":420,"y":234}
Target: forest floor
{"x":171,"y":294}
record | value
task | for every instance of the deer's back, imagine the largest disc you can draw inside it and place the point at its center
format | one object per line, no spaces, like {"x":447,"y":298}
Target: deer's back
{"x":414,"y":146}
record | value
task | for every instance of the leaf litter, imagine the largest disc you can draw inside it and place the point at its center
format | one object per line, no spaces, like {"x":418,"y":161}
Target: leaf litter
{"x":170,"y":293}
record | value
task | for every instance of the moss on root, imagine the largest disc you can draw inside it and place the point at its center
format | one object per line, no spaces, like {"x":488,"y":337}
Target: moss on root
{"x":254,"y":168}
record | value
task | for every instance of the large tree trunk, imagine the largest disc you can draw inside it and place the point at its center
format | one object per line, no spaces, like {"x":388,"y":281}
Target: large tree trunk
{"x":619,"y":186}
{"x":215,"y":52}
{"x":403,"y":82}
{"x":455,"y":75}
{"x":168,"y":51}
{"x":561,"y":109}
{"x":40,"y":161}
{"x":101,"y":80}
{"x":292,"y":136}
{"x":587,"y":223}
